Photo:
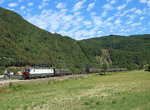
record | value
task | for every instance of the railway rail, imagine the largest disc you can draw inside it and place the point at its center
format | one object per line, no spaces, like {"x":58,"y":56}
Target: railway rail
{"x":36,"y":81}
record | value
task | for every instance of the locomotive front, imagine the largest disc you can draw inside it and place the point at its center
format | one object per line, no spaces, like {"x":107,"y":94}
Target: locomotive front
{"x":26,"y":72}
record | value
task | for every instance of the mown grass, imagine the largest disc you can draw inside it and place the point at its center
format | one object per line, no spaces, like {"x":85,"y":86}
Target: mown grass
{"x":113,"y":91}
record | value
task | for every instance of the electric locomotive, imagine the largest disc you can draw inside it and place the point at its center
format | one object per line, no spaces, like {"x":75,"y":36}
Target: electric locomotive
{"x":30,"y":72}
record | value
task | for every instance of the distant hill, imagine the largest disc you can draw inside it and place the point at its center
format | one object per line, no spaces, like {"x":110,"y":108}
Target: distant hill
{"x":22,"y":43}
{"x":132,"y":51}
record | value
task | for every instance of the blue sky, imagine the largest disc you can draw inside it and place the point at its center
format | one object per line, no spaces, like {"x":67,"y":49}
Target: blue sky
{"x":82,"y":19}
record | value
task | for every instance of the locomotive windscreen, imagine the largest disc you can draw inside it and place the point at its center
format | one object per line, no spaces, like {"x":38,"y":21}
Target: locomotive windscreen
{"x":27,"y":70}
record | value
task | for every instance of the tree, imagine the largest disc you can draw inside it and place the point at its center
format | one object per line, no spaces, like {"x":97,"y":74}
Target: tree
{"x":105,"y":67}
{"x":149,"y":68}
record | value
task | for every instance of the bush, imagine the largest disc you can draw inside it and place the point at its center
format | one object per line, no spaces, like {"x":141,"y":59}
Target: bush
{"x":105,"y":67}
{"x":16,"y":87}
{"x":149,"y":68}
{"x":2,"y":69}
{"x":11,"y":84}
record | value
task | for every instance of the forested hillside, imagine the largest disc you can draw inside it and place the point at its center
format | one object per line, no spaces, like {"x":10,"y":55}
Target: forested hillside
{"x":132,"y":51}
{"x":22,"y":43}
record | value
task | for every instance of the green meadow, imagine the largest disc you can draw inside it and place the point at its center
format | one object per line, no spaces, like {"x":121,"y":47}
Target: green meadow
{"x":113,"y":91}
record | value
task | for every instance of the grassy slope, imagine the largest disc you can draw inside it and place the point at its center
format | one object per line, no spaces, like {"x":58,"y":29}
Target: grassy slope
{"x":116,"y":91}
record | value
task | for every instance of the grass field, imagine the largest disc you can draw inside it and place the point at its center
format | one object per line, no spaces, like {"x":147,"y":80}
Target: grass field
{"x":113,"y":91}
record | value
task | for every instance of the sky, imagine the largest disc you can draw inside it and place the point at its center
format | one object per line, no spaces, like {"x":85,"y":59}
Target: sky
{"x":83,"y":19}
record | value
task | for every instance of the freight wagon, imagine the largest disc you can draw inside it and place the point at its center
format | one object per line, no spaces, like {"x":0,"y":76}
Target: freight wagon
{"x":95,"y":70}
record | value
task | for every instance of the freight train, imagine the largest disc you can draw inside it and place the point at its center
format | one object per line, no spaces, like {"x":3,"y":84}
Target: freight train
{"x":30,"y":72}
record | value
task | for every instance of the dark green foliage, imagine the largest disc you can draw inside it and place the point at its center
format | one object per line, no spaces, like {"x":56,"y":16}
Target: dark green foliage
{"x":105,"y":67}
{"x":16,"y":87}
{"x":2,"y":69}
{"x":149,"y":68}
{"x":11,"y":84}
{"x":132,"y":52}
{"x":22,"y":43}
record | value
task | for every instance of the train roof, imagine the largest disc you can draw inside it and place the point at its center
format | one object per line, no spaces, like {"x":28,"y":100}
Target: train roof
{"x":37,"y":68}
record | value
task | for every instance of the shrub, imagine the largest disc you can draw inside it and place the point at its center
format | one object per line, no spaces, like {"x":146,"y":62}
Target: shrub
{"x":149,"y":68}
{"x":2,"y":69}
{"x":16,"y":87}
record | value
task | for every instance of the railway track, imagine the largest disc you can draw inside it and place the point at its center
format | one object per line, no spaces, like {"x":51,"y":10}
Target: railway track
{"x":4,"y":83}
{"x":16,"y":78}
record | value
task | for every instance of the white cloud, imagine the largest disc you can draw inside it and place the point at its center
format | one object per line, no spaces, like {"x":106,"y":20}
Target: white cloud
{"x":38,"y":22}
{"x":141,"y":18}
{"x":121,"y":7}
{"x":60,"y":5}
{"x":145,"y":1}
{"x":131,"y":17}
{"x":73,"y":25}
{"x":113,"y":1}
{"x":2,"y":1}
{"x":136,"y":24}
{"x":78,"y":5}
{"x":81,"y":34}
{"x":97,"y":21}
{"x":22,"y":7}
{"x":78,"y":21}
{"x":122,"y":30}
{"x":57,"y":21}
{"x":107,"y":24}
{"x":12,"y":4}
{"x":107,"y":7}
{"x":30,"y":4}
{"x":93,"y":13}
{"x":124,"y":13}
{"x":139,"y":12}
{"x":90,"y":6}
{"x":99,"y":32}
{"x":44,"y":3}
{"x":132,"y":9}
{"x":118,"y":21}
{"x":109,"y":19}
{"x":104,"y":14}
{"x":67,"y":18}
{"x":129,"y":22}
{"x":77,"y":25}
{"x":87,"y":23}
